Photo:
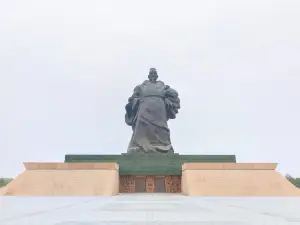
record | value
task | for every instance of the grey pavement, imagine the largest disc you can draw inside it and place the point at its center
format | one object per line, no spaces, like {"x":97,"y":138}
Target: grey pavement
{"x":149,"y":209}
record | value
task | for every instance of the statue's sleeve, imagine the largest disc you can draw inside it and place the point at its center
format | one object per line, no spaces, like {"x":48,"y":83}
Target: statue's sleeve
{"x":132,"y":106}
{"x":172,"y":102}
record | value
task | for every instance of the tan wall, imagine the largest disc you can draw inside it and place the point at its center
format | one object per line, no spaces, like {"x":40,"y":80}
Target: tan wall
{"x":2,"y":190}
{"x":76,"y":181}
{"x":235,"y":180}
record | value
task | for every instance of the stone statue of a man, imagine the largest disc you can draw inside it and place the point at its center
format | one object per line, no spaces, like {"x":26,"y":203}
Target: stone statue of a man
{"x":149,"y":108}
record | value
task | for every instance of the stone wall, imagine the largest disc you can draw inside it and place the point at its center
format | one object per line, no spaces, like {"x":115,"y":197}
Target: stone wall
{"x":235,"y":179}
{"x":63,"y":179}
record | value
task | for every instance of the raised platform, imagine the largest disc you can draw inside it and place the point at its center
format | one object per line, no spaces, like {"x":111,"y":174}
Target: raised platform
{"x":66,"y":179}
{"x":235,"y":179}
{"x":154,"y":164}
{"x":182,"y":174}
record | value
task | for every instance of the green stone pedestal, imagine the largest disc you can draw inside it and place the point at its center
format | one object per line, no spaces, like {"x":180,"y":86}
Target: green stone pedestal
{"x":151,"y":164}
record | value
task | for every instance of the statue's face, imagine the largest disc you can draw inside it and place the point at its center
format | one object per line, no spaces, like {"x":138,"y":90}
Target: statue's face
{"x":152,"y":76}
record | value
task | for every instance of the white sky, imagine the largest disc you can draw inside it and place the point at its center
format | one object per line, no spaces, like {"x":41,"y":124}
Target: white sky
{"x":67,"y":69}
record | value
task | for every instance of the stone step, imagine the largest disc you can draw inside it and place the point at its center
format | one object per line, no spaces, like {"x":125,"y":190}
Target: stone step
{"x":149,"y":210}
{"x":170,"y":217}
{"x":159,"y":223}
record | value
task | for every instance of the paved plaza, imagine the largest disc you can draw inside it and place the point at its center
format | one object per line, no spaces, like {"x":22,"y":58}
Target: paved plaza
{"x":149,"y":209}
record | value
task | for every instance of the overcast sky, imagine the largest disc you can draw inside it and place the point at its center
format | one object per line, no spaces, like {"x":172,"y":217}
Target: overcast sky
{"x":67,"y":69}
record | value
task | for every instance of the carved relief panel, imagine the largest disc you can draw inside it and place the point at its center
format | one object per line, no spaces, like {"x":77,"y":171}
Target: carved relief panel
{"x":127,"y":184}
{"x":173,"y":184}
{"x":150,"y":184}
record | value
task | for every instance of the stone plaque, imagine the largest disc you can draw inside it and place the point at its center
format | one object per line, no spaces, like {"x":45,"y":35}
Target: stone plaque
{"x":160,"y":184}
{"x":140,"y":184}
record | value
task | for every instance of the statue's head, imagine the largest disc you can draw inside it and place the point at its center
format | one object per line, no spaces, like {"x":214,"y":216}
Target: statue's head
{"x":153,"y":75}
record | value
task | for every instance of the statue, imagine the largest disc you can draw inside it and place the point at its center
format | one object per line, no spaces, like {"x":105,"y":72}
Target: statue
{"x":149,"y":108}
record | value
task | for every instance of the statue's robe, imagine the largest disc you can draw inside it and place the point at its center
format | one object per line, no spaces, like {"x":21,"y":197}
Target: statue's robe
{"x":148,"y":110}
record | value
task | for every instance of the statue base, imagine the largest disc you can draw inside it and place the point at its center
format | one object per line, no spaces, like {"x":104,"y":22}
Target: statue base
{"x":150,"y":153}
{"x":140,"y":163}
{"x":191,"y":175}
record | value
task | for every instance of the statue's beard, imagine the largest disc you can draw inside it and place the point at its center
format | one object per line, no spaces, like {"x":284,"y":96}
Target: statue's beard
{"x":153,"y":80}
